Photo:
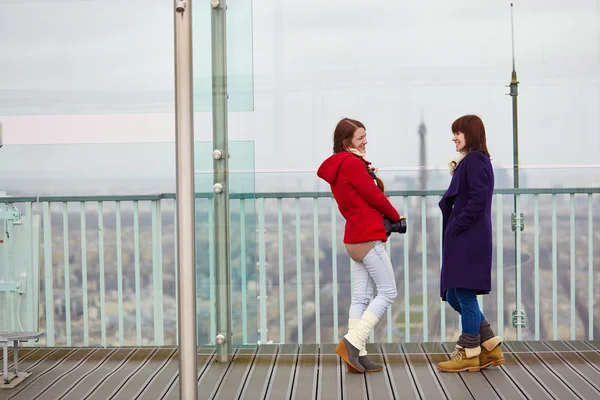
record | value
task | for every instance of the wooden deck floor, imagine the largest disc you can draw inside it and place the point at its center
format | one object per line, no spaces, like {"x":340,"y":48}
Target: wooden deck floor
{"x":533,"y":370}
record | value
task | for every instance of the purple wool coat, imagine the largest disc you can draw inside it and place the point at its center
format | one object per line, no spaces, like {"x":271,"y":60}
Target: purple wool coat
{"x":467,"y":225}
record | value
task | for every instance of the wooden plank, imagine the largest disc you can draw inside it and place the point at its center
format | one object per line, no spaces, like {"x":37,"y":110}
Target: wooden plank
{"x":539,"y":371}
{"x":79,"y":389}
{"x":283,"y":373}
{"x":105,"y":389}
{"x":306,"y":383}
{"x":234,"y":380}
{"x":566,"y":371}
{"x":584,"y":351}
{"x":330,"y":382}
{"x":261,"y":373}
{"x":423,"y":372}
{"x":378,"y":384}
{"x":400,"y":374}
{"x":454,"y":384}
{"x":66,"y":381}
{"x":595,"y":344}
{"x":167,"y":381}
{"x":34,"y":388}
{"x":130,"y":386}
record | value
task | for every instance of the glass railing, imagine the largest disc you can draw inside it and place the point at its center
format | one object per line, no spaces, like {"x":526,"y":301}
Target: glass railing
{"x":108,"y":266}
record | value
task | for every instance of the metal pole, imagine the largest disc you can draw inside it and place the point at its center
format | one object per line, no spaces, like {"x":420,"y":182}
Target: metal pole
{"x":186,"y":237}
{"x":221,"y":178}
{"x":517,"y":219}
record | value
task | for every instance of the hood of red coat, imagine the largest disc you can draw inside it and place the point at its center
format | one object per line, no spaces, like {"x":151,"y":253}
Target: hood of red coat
{"x":328,"y":171}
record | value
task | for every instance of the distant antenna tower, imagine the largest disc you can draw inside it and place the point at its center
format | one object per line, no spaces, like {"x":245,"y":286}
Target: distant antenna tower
{"x":518,"y":314}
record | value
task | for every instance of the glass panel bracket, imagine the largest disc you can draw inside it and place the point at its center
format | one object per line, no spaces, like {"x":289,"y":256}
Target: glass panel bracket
{"x":518,"y":318}
{"x":517,"y":222}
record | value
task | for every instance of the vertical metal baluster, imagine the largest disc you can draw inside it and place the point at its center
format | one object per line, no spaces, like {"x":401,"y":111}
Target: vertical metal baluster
{"x":590,"y":269}
{"x":176,"y":263}
{"x":281,"y":273}
{"x":317,"y":271}
{"x":500,"y":262}
{"x":157,"y":276}
{"x":536,"y":263}
{"x":136,"y":255}
{"x":424,"y":266}
{"x":298,"y":272}
{"x":406,"y":280}
{"x":84,"y":279}
{"x":554,"y":272}
{"x":572,"y":254}
{"x":442,"y":303}
{"x":334,"y":270}
{"x":48,"y":278}
{"x":120,"y":276}
{"x":67,"y":272}
{"x":243,"y":271}
{"x":262,"y":271}
{"x":101,"y":264}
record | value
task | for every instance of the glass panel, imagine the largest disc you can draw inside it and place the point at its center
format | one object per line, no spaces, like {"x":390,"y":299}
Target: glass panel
{"x":242,"y":244}
{"x":84,"y":246}
{"x":109,"y":56}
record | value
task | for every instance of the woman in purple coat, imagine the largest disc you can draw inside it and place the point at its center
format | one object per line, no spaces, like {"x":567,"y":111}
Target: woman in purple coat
{"x":467,"y":247}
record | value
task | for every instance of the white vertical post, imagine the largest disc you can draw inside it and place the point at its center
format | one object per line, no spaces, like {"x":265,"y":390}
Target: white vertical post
{"x":186,"y":247}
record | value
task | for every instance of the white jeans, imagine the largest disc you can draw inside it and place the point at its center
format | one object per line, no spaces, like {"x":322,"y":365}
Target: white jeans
{"x":374,"y":270}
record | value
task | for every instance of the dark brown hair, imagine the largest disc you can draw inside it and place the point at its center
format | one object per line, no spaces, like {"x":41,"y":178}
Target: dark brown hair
{"x":343,"y":133}
{"x":472,"y":127}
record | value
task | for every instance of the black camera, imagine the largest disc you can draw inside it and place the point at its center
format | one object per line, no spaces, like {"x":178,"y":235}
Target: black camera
{"x":390,"y":226}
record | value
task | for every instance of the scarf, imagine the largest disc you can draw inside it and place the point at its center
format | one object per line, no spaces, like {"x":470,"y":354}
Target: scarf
{"x":361,"y":155}
{"x":453,"y":164}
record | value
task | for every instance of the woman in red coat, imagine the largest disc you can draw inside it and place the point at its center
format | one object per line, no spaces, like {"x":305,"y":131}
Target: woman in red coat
{"x":359,"y":195}
{"x":467,"y":246}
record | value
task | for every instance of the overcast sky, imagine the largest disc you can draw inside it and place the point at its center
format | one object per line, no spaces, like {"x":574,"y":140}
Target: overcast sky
{"x":109,"y":64}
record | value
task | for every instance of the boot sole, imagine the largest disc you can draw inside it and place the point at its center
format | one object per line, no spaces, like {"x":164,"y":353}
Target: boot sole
{"x":355,"y":371}
{"x":493,"y":363}
{"x":343,"y":353}
{"x":468,"y":369}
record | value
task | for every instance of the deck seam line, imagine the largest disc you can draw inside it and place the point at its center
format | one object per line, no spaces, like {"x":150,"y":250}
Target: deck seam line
{"x":532,"y":374}
{"x":74,"y":384}
{"x":581,"y":355}
{"x":390,"y":382}
{"x":266,"y":391}
{"x":101,"y":382}
{"x":54,"y":382}
{"x":573,"y":369}
{"x":224,"y":374}
{"x":459,"y":375}
{"x":133,"y":373}
{"x":247,"y":374}
{"x":292,"y":380}
{"x":46,"y":372}
{"x":553,"y":372}
{"x":413,"y":374}
{"x":151,"y":378}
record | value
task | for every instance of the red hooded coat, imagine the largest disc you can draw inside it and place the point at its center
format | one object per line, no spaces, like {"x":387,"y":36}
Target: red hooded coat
{"x":359,"y":199}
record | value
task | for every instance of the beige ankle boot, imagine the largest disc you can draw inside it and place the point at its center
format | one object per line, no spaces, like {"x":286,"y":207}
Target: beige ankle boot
{"x":357,"y":338}
{"x":462,"y":359}
{"x":365,"y":361}
{"x":491,"y":354}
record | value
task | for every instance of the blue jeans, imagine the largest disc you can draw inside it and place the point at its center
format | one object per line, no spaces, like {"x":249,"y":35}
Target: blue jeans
{"x":374,"y":270}
{"x":464,"y":301}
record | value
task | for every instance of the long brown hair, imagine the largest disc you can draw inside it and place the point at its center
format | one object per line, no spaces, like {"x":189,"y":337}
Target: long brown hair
{"x":343,"y":133}
{"x":472,"y":127}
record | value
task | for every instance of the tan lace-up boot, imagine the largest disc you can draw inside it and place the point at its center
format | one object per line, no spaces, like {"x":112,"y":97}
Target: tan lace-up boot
{"x":491,"y":354}
{"x":462,"y":359}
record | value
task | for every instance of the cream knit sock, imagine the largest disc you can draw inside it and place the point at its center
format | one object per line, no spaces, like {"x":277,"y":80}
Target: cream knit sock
{"x":352,"y":322}
{"x":359,"y":334}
